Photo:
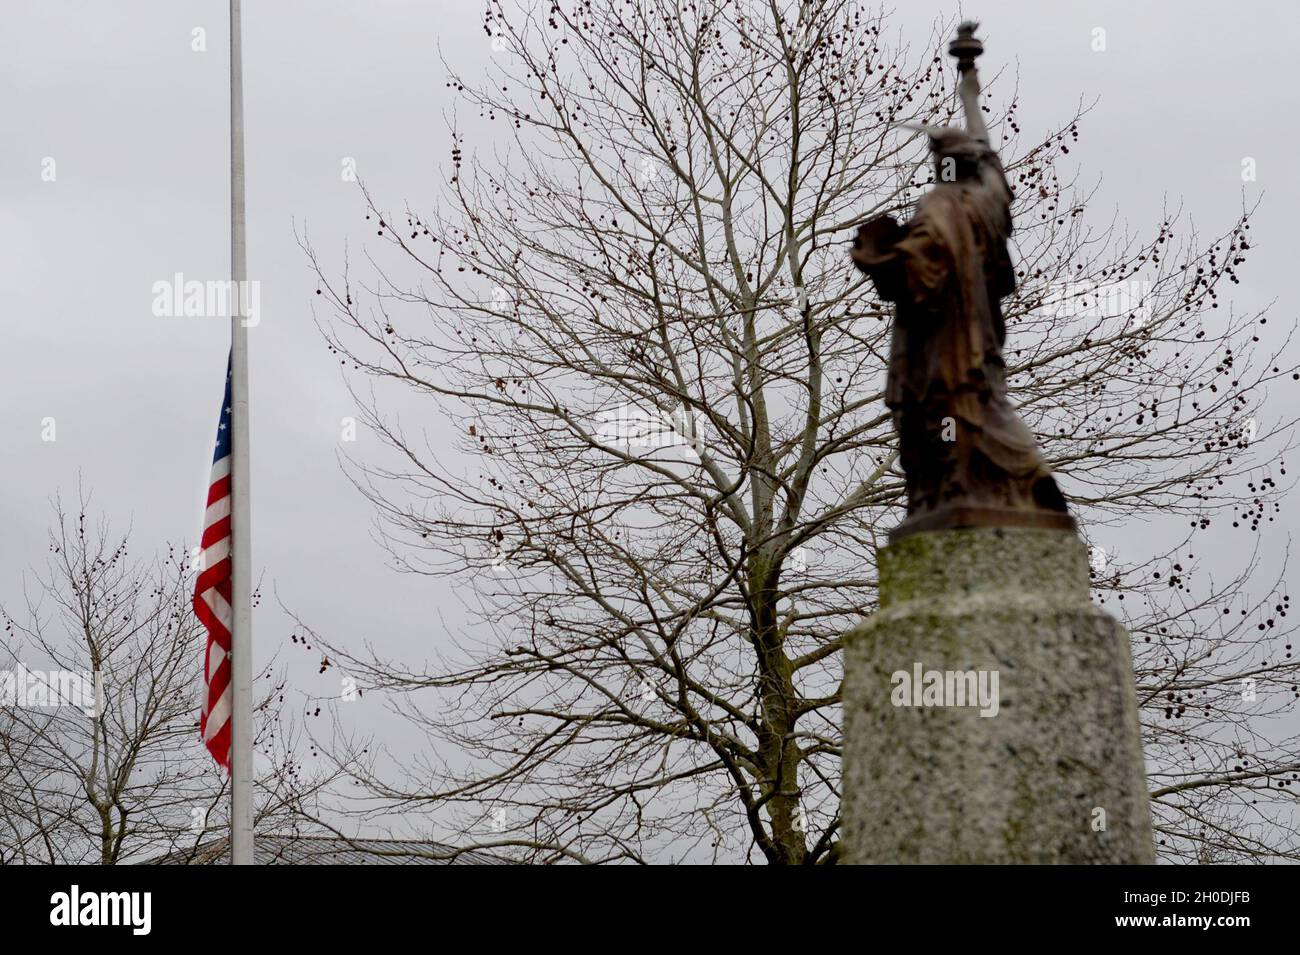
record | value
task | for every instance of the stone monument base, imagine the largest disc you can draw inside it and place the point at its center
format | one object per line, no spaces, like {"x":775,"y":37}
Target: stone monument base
{"x":989,"y":709}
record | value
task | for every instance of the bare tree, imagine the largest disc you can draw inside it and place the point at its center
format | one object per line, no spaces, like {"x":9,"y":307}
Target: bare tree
{"x":100,"y":759}
{"x":673,"y":466}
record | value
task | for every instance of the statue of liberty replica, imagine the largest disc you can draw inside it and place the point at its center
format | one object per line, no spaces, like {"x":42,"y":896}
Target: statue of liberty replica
{"x":989,"y":705}
{"x":969,"y":459}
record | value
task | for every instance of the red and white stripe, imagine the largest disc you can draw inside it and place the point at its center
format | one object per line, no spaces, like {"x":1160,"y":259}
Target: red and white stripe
{"x":212,"y":605}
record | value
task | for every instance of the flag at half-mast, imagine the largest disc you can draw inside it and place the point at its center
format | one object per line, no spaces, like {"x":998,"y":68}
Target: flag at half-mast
{"x":212,"y":595}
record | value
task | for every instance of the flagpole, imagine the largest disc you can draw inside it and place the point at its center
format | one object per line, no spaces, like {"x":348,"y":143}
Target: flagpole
{"x":241,"y":639}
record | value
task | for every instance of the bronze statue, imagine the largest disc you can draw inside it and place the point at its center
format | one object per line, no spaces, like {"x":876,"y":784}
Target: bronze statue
{"x":969,"y":459}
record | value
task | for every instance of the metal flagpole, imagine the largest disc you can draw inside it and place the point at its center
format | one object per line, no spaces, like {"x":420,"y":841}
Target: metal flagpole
{"x":241,"y":639}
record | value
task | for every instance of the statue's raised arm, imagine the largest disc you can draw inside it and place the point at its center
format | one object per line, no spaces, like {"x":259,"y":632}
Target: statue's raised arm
{"x":965,"y":47}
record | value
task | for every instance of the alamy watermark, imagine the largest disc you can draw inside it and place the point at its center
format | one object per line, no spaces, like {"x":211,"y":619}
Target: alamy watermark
{"x":922,"y":687}
{"x":129,"y":909}
{"x":178,"y":298}
{"x":1087,"y":299}
{"x":632,"y":427}
{"x":32,"y":689}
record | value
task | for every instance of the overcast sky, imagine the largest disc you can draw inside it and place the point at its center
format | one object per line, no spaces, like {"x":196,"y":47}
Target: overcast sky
{"x":136,"y":123}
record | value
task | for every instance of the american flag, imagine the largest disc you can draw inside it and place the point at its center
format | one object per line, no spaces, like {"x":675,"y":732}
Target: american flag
{"x":212,"y":596}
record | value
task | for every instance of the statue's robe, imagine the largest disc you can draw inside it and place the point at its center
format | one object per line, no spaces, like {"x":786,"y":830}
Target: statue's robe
{"x":962,"y":446}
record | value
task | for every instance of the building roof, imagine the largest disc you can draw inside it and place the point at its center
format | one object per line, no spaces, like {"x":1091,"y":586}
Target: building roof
{"x":290,"y":849}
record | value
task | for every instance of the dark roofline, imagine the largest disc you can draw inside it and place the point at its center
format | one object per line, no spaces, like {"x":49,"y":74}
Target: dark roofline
{"x":279,"y":848}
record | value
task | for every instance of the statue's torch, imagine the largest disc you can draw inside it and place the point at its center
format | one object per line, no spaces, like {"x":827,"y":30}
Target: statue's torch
{"x":965,"y":47}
